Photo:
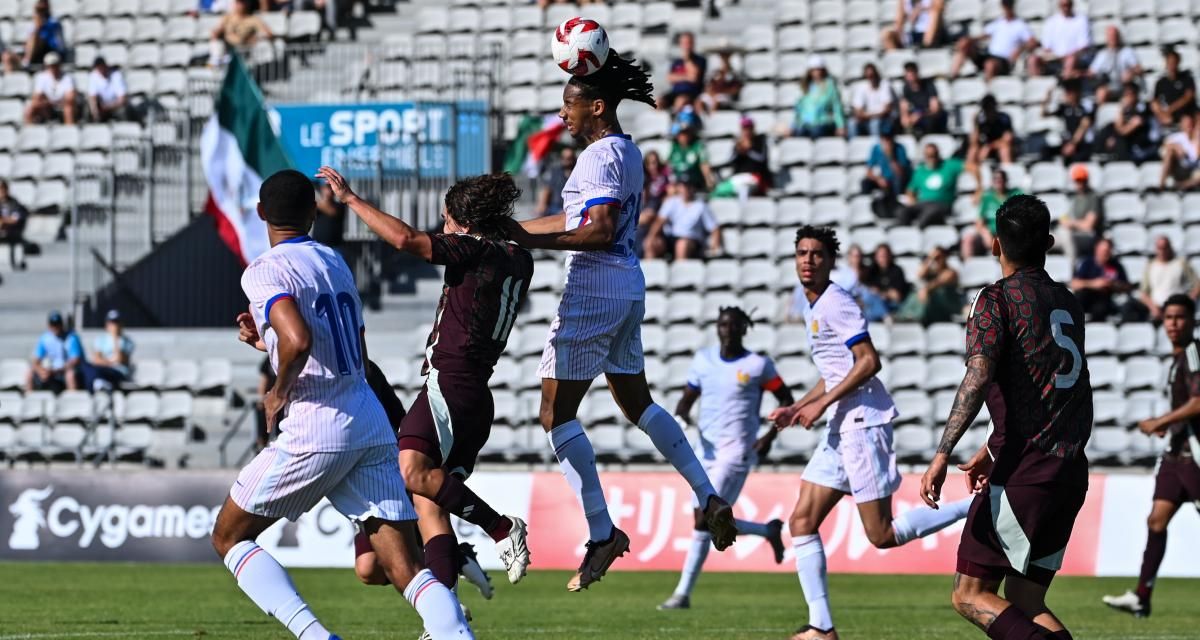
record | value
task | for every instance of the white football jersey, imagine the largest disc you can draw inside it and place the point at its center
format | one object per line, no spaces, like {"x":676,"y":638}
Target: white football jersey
{"x":332,"y":408}
{"x":731,"y":397}
{"x":835,"y":323}
{"x":609,"y":171}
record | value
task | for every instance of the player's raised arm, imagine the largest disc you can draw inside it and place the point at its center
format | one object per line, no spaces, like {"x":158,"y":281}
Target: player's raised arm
{"x":597,"y":234}
{"x":391,"y":229}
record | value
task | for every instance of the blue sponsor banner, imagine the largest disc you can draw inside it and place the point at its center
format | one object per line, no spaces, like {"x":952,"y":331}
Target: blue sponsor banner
{"x":362,"y":139}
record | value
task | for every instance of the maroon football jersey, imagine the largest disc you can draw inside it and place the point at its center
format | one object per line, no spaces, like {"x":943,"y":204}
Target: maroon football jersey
{"x":1185,"y":385}
{"x":486,"y":282}
{"x":1031,"y":327}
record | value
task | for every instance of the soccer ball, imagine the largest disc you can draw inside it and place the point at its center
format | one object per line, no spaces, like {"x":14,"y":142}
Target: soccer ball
{"x":580,"y":46}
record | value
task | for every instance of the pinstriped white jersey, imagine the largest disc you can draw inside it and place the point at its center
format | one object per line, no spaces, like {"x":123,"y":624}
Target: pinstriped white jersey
{"x":331,"y":407}
{"x":609,"y":171}
{"x":835,"y":323}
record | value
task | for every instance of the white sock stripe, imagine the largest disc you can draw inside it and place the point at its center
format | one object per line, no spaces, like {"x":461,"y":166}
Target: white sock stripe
{"x":418,"y":583}
{"x":238,"y":554}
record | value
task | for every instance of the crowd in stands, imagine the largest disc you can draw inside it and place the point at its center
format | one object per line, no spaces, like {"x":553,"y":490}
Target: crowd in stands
{"x":59,"y":362}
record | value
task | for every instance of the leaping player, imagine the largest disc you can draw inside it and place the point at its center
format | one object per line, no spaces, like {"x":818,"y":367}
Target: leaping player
{"x":335,"y":439}
{"x":1178,"y":477}
{"x":486,"y":280}
{"x":855,"y":455}
{"x":598,"y":328}
{"x":729,"y":381}
{"x":1025,"y":356}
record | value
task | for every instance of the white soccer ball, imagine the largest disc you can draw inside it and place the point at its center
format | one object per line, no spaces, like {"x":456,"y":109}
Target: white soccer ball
{"x":580,"y":46}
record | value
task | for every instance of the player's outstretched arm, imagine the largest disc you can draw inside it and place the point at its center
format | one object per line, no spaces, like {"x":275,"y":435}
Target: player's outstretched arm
{"x":967,"y":403}
{"x":1158,"y":426}
{"x":545,"y":224}
{"x":866,"y":365}
{"x":597,"y":234}
{"x":391,"y":229}
{"x":293,"y":346}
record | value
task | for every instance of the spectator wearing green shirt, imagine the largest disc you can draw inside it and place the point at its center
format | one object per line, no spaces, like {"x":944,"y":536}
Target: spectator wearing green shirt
{"x":819,"y":110}
{"x":977,"y":241}
{"x":688,"y":158}
{"x":932,"y":190}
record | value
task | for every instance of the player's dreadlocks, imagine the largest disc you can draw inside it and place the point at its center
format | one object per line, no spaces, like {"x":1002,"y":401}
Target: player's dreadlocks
{"x":619,"y":79}
{"x":483,"y":203}
{"x":827,"y":236}
{"x":738,"y":314}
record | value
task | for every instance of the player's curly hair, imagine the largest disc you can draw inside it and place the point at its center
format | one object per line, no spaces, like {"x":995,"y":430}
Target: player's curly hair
{"x":827,"y":236}
{"x":739,"y":314}
{"x":483,"y":203}
{"x":619,"y":79}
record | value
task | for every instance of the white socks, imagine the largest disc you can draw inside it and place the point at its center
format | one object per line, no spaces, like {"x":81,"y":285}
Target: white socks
{"x":668,"y":438}
{"x":437,"y":607}
{"x":810,"y":566}
{"x":697,"y":553}
{"x":578,"y":461}
{"x":752,"y":528}
{"x":262,"y":578}
{"x":922,"y":521}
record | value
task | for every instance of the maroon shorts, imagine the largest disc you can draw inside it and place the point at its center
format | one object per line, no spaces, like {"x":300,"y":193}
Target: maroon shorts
{"x":1177,"y":480}
{"x":449,"y":421}
{"x":1019,"y":530}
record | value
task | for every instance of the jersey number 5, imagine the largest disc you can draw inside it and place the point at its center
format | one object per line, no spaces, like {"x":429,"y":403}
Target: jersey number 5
{"x":1058,"y":318}
{"x":342,"y":317}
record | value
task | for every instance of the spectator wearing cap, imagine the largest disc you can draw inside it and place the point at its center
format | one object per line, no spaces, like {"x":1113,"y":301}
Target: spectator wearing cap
{"x":112,"y":351}
{"x":873,"y":104}
{"x":1133,"y":135}
{"x":724,"y":86}
{"x":686,"y":75}
{"x":1114,"y":65}
{"x":917,"y":24}
{"x":977,"y":240}
{"x":1166,"y":274}
{"x":1077,"y":115}
{"x":553,"y":178}
{"x":992,"y":136}
{"x":1066,"y":41}
{"x":1098,"y":278}
{"x":751,"y":172}
{"x":819,"y":109}
{"x":1006,"y":38}
{"x":888,"y":171}
{"x":43,"y":36}
{"x":921,"y":110}
{"x":107,"y":95}
{"x":53,"y":94}
{"x":688,"y":157}
{"x":932,"y":190}
{"x":1181,"y":155}
{"x":13,"y":216}
{"x":1083,"y":221}
{"x":684,"y":225}
{"x":1175,"y":91}
{"x":57,"y":358}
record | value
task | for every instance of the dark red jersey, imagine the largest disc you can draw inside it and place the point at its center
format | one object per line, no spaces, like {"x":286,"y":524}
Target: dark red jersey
{"x":486,"y":282}
{"x":1185,"y":385}
{"x":1031,"y":327}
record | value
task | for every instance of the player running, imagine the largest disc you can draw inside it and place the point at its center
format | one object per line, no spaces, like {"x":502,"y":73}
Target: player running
{"x":729,"y":381}
{"x":1178,"y":478}
{"x":855,"y":455}
{"x":1025,"y":358}
{"x":486,"y":280}
{"x":334,"y":441}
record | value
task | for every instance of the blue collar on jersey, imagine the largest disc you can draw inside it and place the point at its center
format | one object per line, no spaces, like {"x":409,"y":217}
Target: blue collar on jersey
{"x":745,"y":352}
{"x":620,"y":135}
{"x":297,"y":239}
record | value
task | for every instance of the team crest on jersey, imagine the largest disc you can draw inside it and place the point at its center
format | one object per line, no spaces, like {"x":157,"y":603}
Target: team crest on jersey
{"x":816,"y":328}
{"x":743,"y":378}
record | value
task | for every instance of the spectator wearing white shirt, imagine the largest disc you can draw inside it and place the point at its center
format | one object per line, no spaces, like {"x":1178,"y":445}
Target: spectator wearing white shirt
{"x":1113,"y":66}
{"x":1167,"y":274}
{"x":684,"y":224}
{"x":873,"y":104}
{"x":918,"y":24}
{"x":1181,"y":155}
{"x":106,"y":92}
{"x":1007,"y":37}
{"x":53,"y":94}
{"x":1065,"y":43}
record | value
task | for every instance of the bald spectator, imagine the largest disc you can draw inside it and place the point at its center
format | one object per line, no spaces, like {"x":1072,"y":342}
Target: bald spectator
{"x":1113,"y":65}
{"x":1181,"y":155}
{"x":53,"y":94}
{"x":1166,"y":274}
{"x":1175,"y":91}
{"x":931,"y":190}
{"x":1065,"y":42}
{"x":1098,"y":278}
{"x":918,"y":24}
{"x":997,"y":51}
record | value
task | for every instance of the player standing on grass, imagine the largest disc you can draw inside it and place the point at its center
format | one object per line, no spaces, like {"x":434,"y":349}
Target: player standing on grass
{"x":335,"y":439}
{"x":486,"y":279}
{"x":855,"y":455}
{"x":598,"y":328}
{"x":1025,"y":357}
{"x":1178,"y":478}
{"x":729,"y":381}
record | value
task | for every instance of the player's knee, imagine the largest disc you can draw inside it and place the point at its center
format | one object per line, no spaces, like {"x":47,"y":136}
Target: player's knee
{"x":882,"y":537}
{"x":222,"y":541}
{"x":369,"y":572}
{"x":963,"y":601}
{"x":1156,"y":523}
{"x":418,"y":477}
{"x":802,"y":524}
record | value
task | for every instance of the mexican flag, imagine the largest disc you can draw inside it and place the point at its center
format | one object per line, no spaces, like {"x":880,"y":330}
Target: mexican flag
{"x":238,"y":148}
{"x":536,"y":135}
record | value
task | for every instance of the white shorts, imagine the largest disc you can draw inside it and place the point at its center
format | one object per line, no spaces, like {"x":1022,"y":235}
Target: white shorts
{"x":592,"y":335}
{"x":361,"y":484}
{"x":726,"y":473}
{"x":861,"y":463}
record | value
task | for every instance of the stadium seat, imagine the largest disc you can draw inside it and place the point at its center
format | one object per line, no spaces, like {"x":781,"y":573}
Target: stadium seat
{"x":943,"y":338}
{"x":1107,"y":444}
{"x":12,"y":373}
{"x":913,"y":443}
{"x":686,"y":308}
{"x":1105,"y":372}
{"x":979,"y":272}
{"x":37,"y":406}
{"x":1124,"y":207}
{"x":798,"y":373}
{"x":683,"y":339}
{"x":1108,"y":407}
{"x":1101,"y":338}
{"x":914,"y":407}
{"x":722,"y":274}
{"x":1135,"y":338}
{"x":1163,"y":208}
{"x":10,"y":407}
{"x":140,"y":406}
{"x":942,"y":236}
{"x":796,"y":444}
{"x":943,"y":372}
{"x":1142,"y":372}
{"x":905,"y":373}
{"x":687,"y":274}
{"x":905,"y":339}
{"x":73,"y":406}
{"x":656,"y":274}
{"x":792,"y":340}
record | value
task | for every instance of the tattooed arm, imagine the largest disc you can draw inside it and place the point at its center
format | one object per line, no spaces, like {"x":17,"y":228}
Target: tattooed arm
{"x":967,"y":403}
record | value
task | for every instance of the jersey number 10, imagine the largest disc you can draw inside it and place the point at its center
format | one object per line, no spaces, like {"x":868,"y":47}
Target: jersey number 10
{"x":342,"y":317}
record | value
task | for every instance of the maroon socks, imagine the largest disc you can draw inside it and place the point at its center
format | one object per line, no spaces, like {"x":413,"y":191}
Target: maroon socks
{"x":455,"y":497}
{"x":1156,"y":548}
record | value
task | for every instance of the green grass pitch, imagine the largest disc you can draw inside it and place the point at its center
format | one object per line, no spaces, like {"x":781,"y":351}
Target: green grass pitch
{"x":63,"y":601}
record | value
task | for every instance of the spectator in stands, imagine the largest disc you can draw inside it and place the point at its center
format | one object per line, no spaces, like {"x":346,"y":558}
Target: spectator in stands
{"x":724,"y":86}
{"x":329,"y":227}
{"x":686,"y":75}
{"x":917,"y":24}
{"x":43,"y":36}
{"x":1007,"y":37}
{"x":819,"y":109}
{"x":992,"y":136}
{"x":888,"y":172}
{"x":873,"y":104}
{"x":112,"y":351}
{"x":1083,"y":223}
{"x":1097,"y":280}
{"x":238,"y":29}
{"x":1113,"y":66}
{"x":1181,"y":155}
{"x":937,"y":297}
{"x":1065,"y":44}
{"x":977,"y":241}
{"x":884,"y":286}
{"x":56,"y":359}
{"x":932,"y":190}
{"x":107,"y":97}
{"x":1133,"y":135}
{"x":211,"y":7}
{"x":751,"y":172}
{"x":656,"y":187}
{"x":1175,"y":91}
{"x":1077,"y":115}
{"x":1166,"y":274}
{"x":921,"y":110}
{"x":54,"y":96}
{"x":13,"y":216}
{"x":688,"y":158}
{"x":684,"y":224}
{"x":553,"y":178}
